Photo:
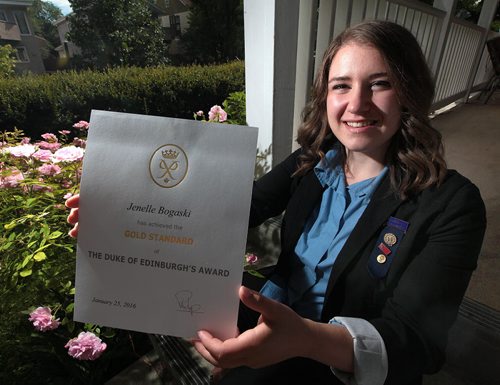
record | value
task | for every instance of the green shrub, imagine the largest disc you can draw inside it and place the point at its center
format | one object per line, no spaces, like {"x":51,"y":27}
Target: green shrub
{"x":52,"y":102}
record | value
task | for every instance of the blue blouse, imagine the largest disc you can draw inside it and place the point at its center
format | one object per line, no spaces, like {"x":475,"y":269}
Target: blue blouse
{"x":324,"y":235}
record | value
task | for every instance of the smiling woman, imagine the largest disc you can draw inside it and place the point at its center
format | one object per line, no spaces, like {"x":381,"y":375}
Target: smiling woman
{"x":378,"y":238}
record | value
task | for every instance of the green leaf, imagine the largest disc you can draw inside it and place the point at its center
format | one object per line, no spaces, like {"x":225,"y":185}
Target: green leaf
{"x":255,"y":273}
{"x":55,"y":234}
{"x":25,"y":273}
{"x":71,"y":326}
{"x":108,"y":333}
{"x":45,"y":230}
{"x":26,"y":260}
{"x":70,"y":307}
{"x":30,"y":201}
{"x":31,"y":244}
{"x":40,"y":256}
{"x":10,"y":225}
{"x":72,"y":291}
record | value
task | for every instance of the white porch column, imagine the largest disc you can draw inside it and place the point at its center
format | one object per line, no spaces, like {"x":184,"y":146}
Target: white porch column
{"x":449,"y":6}
{"x":270,"y":68}
{"x":485,"y":18}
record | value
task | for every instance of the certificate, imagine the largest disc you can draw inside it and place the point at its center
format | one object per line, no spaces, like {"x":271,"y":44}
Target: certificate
{"x":163,"y":221}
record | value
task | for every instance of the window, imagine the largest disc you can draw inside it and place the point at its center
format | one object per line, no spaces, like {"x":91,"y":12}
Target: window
{"x":22,"y":22}
{"x":175,"y":25}
{"x":3,"y":15}
{"x":22,"y":54}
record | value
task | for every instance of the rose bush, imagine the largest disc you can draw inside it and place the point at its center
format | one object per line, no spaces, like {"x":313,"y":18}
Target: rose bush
{"x":37,"y":268}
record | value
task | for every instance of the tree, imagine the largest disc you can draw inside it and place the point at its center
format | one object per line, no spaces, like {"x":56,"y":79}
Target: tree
{"x":117,"y":32}
{"x":7,"y":61}
{"x":43,"y":14}
{"x":215,"y":32}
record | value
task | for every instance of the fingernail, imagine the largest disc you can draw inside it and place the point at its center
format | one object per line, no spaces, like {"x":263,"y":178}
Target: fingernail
{"x":250,"y":293}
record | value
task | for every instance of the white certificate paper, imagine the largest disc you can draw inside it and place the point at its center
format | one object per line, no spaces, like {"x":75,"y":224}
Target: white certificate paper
{"x":163,"y":222}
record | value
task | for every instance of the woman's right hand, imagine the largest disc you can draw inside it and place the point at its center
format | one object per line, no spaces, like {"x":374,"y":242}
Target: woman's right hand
{"x":73,"y":203}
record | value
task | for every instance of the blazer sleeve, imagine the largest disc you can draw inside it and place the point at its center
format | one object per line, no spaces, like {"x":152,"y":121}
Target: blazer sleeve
{"x":415,"y":320}
{"x":272,"y":192}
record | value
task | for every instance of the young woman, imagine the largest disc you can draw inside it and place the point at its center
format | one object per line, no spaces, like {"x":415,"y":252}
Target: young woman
{"x":379,"y":239}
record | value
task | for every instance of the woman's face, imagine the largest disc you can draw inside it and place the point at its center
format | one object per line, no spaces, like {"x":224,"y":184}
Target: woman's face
{"x":362,"y":107}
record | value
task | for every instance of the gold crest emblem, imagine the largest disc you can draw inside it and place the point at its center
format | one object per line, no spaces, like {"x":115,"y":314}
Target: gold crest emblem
{"x":168,"y":165}
{"x":390,"y":239}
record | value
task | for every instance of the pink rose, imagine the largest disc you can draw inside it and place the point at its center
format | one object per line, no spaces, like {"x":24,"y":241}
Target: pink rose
{"x":51,"y":138}
{"x":200,"y":113}
{"x":25,"y":140}
{"x":67,"y":196}
{"x":49,"y":145}
{"x":87,"y":346}
{"x":64,"y":132}
{"x":66,"y":183}
{"x":23,"y":150}
{"x":82,"y":125}
{"x":49,"y":169}
{"x":43,"y":319}
{"x":43,"y":155}
{"x":217,"y":114}
{"x":80,"y":142}
{"x":68,"y":154}
{"x":11,"y":177}
{"x":251,"y":259}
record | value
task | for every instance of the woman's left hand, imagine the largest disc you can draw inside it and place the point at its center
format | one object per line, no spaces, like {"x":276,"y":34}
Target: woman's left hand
{"x":280,"y":334}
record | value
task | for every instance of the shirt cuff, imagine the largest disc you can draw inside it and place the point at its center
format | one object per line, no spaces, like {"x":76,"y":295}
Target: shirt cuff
{"x":370,"y":356}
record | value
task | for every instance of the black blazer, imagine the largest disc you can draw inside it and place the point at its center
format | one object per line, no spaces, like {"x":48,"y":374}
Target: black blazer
{"x":415,"y":299}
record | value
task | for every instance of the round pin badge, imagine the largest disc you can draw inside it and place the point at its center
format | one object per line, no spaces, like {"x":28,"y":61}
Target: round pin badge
{"x":390,"y":239}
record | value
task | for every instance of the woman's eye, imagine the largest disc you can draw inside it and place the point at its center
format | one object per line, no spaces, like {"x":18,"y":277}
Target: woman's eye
{"x":340,"y":86}
{"x":381,"y":84}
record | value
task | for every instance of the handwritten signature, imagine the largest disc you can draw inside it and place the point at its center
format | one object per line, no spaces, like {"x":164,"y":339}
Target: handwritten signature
{"x":184,"y":298}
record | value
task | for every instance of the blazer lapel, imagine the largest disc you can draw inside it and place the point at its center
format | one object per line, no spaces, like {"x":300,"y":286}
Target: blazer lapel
{"x":382,"y":204}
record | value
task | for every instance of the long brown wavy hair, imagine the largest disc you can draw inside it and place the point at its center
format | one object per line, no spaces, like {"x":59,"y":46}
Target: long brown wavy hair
{"x":415,"y":156}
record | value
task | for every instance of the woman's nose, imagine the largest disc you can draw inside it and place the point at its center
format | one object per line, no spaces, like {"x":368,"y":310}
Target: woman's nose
{"x":359,"y":100}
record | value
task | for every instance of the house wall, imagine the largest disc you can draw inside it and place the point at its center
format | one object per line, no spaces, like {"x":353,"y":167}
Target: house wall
{"x":35,"y":64}
{"x":30,"y":42}
{"x":67,"y":48}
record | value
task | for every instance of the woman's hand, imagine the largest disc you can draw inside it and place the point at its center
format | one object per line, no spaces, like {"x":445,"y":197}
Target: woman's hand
{"x":73,"y":203}
{"x":279,"y":335}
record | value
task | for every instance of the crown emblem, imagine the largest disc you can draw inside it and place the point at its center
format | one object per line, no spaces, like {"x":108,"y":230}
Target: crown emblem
{"x":168,"y":165}
{"x":170,"y":154}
